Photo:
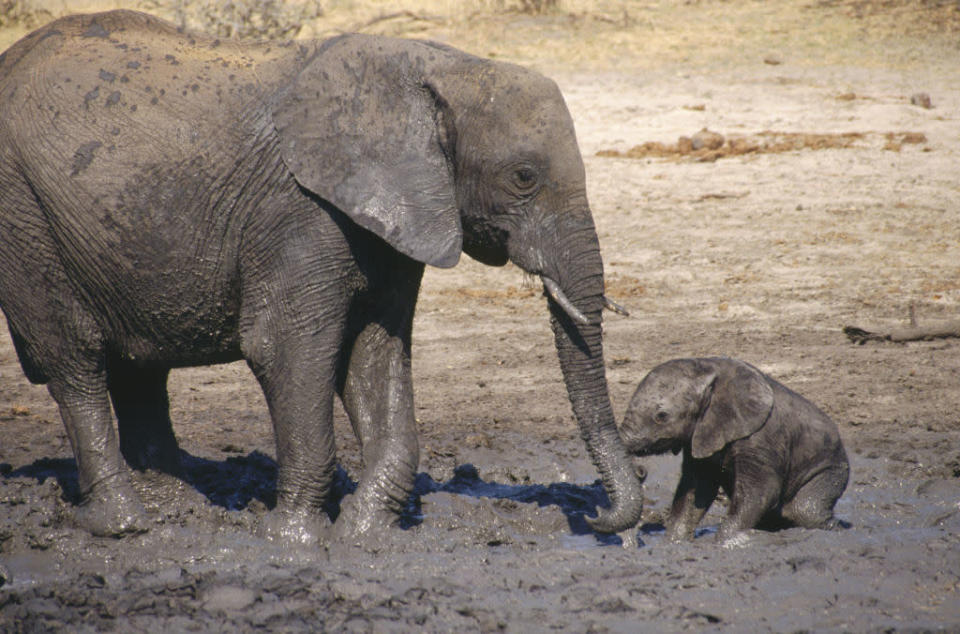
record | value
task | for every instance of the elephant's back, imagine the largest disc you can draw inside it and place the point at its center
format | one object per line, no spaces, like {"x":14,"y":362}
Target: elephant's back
{"x":90,"y":96}
{"x":46,"y":43}
{"x":140,"y":63}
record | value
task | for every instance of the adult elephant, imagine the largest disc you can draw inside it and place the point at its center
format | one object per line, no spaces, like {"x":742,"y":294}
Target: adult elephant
{"x":169,"y":199}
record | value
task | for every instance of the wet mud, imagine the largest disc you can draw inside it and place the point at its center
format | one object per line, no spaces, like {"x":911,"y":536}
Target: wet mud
{"x":478,"y":555}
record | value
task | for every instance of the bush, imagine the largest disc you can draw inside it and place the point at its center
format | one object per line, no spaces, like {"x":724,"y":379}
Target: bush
{"x":264,"y":19}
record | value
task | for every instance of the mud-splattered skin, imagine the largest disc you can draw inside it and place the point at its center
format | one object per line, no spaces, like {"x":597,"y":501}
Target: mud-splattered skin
{"x":168,"y":199}
{"x":777,"y":456}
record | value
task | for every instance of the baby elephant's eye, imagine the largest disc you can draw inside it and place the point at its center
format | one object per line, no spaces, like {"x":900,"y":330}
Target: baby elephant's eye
{"x":661,"y":416}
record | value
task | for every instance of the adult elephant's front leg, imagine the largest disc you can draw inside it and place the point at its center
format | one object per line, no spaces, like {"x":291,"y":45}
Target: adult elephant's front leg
{"x":298,"y":385}
{"x":378,"y":397}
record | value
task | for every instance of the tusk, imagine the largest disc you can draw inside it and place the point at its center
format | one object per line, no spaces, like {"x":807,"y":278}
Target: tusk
{"x":609,"y":304}
{"x":556,"y":294}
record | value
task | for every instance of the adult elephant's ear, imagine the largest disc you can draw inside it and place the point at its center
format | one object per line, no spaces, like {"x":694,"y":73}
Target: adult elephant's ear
{"x":361,"y":127}
{"x":740,"y":404}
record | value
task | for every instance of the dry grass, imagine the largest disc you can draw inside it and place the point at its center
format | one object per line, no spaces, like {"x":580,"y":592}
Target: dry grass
{"x":586,"y":34}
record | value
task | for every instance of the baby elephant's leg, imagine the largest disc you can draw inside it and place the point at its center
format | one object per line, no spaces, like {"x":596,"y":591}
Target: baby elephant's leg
{"x":753,"y":496}
{"x":812,"y":506}
{"x":695,"y":493}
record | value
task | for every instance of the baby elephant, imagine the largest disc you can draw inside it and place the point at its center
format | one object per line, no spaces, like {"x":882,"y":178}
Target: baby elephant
{"x":779,"y":458}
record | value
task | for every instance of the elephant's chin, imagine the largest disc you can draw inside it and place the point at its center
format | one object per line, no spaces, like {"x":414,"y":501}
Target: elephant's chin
{"x":491,"y":256}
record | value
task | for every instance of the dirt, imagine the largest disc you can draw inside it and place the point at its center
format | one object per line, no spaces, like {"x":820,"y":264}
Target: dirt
{"x":760,"y":255}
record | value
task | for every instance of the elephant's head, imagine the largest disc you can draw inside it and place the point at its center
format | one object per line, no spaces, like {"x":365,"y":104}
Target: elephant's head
{"x":703,"y":404}
{"x":436,"y":151}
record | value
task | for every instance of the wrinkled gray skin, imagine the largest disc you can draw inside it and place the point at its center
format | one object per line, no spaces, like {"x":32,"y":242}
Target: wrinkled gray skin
{"x":779,"y":458}
{"x":168,"y":199}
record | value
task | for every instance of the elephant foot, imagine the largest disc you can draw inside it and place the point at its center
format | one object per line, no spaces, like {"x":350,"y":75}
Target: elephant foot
{"x":678,"y":533}
{"x":739,"y":539}
{"x":835,"y":524}
{"x":308,"y":528}
{"x":112,"y":511}
{"x":629,"y":539}
{"x":365,"y":526}
{"x":678,"y":538}
{"x":166,"y":495}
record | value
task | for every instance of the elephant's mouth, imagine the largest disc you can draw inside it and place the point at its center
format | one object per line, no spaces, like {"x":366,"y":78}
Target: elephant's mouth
{"x":640,"y":470}
{"x":655,"y":448}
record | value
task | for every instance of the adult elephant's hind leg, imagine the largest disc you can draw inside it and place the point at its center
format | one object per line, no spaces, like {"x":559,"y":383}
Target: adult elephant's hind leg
{"x":59,"y":343}
{"x":108,"y":504}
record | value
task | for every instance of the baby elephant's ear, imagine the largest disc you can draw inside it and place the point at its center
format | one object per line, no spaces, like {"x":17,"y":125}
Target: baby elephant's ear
{"x":739,"y":405}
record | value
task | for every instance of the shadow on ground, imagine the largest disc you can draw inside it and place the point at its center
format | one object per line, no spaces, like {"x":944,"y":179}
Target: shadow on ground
{"x":237,"y":481}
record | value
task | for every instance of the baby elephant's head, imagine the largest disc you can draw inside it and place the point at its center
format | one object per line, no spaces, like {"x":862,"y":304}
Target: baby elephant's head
{"x":698,"y":403}
{"x":665,"y":408}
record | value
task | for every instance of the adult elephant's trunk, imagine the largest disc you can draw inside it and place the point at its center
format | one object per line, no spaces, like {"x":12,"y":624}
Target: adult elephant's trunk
{"x":576,"y":301}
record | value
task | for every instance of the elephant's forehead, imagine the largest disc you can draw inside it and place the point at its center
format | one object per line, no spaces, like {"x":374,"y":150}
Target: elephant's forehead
{"x":666,"y":381}
{"x":518,"y":94}
{"x":533,"y":124}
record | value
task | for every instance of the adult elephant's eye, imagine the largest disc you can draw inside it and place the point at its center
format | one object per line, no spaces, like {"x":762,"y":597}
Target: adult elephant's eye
{"x":524,"y":178}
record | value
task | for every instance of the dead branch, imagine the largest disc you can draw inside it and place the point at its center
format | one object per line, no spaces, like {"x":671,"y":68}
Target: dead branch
{"x":912,"y":333}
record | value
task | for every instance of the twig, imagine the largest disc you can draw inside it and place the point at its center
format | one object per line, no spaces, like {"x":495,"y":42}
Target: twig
{"x":722,"y":195}
{"x":913,"y":333}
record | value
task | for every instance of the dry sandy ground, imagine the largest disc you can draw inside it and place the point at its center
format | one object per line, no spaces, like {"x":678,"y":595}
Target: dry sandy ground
{"x":762,"y":256}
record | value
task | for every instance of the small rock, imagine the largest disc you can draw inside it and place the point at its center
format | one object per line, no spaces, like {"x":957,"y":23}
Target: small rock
{"x":922,"y":100}
{"x":773,"y":60}
{"x":478,"y":440}
{"x":228,"y":599}
{"x":743,"y":145}
{"x":707,"y":139}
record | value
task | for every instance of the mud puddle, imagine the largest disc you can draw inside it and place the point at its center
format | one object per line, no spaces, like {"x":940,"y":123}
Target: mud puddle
{"x":480,"y":554}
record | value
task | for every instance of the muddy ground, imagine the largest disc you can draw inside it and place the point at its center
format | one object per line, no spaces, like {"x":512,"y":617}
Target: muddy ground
{"x":761,"y":255}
